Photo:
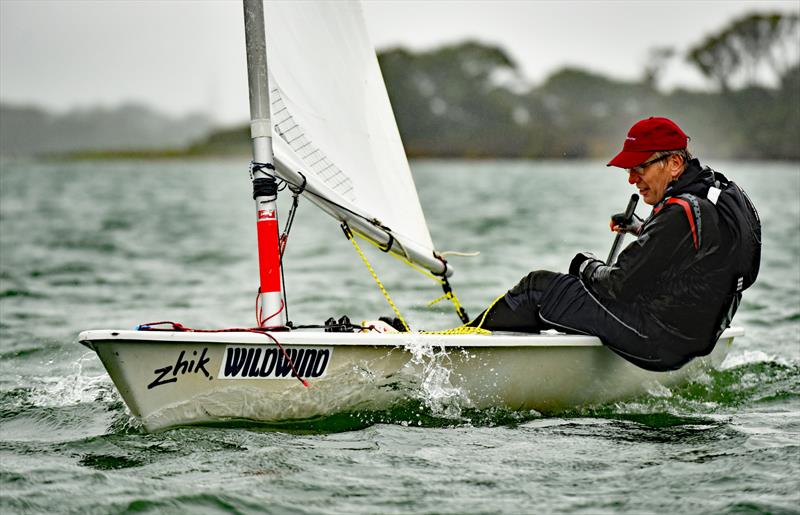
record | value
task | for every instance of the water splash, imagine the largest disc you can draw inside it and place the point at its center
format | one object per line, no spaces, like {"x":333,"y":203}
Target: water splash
{"x":436,"y":390}
{"x":657,"y":389}
{"x":750,"y":378}
{"x":79,"y":387}
{"x":750,"y":356}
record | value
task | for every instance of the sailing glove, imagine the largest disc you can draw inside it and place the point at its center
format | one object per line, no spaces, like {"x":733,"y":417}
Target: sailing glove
{"x":580,"y":262}
{"x":632,"y":225}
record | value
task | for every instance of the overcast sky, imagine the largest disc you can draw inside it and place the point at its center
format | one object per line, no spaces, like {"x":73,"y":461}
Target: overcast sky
{"x":188,"y":55}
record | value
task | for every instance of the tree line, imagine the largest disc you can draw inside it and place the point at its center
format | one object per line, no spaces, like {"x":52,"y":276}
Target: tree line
{"x":467,"y":100}
{"x":470,"y":100}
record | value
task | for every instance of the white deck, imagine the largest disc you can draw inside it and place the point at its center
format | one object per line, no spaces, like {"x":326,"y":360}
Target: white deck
{"x":303,"y":337}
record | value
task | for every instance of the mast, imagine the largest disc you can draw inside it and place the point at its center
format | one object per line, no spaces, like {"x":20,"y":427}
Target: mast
{"x":272,"y":312}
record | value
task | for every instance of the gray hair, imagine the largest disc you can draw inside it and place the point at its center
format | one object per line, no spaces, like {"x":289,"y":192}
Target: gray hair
{"x":684,"y":153}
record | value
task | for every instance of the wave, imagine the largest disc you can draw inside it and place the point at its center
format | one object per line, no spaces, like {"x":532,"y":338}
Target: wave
{"x":62,"y":406}
{"x":698,"y":403}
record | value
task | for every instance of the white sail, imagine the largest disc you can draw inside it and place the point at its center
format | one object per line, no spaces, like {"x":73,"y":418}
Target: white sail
{"x":333,"y":123}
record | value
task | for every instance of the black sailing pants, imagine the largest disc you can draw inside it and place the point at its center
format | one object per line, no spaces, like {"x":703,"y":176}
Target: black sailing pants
{"x":549,"y":300}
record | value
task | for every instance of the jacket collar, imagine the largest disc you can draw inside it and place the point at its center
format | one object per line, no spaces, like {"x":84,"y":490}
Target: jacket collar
{"x":696,"y":180}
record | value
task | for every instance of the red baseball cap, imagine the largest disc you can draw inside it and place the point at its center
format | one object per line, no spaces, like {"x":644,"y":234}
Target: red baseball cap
{"x":647,"y":136}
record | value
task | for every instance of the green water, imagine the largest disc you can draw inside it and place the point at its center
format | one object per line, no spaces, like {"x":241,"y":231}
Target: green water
{"x":112,"y":245}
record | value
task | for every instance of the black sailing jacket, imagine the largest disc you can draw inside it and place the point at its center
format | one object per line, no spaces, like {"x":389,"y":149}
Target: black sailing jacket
{"x":675,"y":272}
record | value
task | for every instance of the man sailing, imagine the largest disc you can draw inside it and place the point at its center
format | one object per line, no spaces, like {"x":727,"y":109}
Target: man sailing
{"x":672,"y":291}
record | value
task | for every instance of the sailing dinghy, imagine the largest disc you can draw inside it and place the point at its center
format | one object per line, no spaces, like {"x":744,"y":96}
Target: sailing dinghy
{"x":321,"y":122}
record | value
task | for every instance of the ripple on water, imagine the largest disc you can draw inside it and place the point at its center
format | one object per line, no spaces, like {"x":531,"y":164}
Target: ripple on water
{"x":199,"y":503}
{"x":21,"y":293}
{"x":73,"y":267}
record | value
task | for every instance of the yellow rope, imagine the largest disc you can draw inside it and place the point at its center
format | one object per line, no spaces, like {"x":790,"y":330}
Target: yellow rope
{"x":451,"y":295}
{"x":466,"y":329}
{"x":350,"y":237}
{"x":437,"y":300}
{"x":463,"y":329}
{"x":400,"y":258}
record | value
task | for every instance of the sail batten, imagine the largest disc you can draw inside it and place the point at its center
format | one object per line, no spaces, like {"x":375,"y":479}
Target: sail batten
{"x":319,"y":164}
{"x":333,"y":124}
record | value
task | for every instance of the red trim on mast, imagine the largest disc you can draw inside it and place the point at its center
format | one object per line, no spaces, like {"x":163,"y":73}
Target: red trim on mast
{"x":269,"y":261}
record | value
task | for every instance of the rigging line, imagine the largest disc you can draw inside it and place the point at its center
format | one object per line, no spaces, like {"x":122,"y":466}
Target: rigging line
{"x":462,"y":329}
{"x":388,"y":246}
{"x":283,"y":306}
{"x":371,"y":221}
{"x":257,"y":167}
{"x":258,"y":307}
{"x":442,"y":280}
{"x":349,"y":235}
{"x":260,"y":320}
{"x":292,"y":212}
{"x":175,"y":326}
{"x":403,"y":259}
{"x":450,"y":294}
{"x":285,"y":300}
{"x":459,"y":253}
{"x":284,"y":239}
{"x":460,"y":311}
{"x":469,"y":329}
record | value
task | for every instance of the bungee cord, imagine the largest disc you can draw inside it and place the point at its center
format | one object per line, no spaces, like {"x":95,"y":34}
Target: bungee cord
{"x":175,"y":326}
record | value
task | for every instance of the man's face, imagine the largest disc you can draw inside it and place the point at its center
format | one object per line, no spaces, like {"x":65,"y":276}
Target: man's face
{"x":653,"y":178}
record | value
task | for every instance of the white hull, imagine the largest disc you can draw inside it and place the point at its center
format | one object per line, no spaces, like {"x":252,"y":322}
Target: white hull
{"x":174,"y":378}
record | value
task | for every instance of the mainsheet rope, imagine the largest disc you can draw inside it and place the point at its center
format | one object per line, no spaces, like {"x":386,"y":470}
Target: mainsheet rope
{"x":349,"y":234}
{"x":463,"y":329}
{"x":442,"y":280}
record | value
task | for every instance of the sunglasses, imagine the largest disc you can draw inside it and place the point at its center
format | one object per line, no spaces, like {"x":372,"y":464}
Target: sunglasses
{"x":641,"y":167}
